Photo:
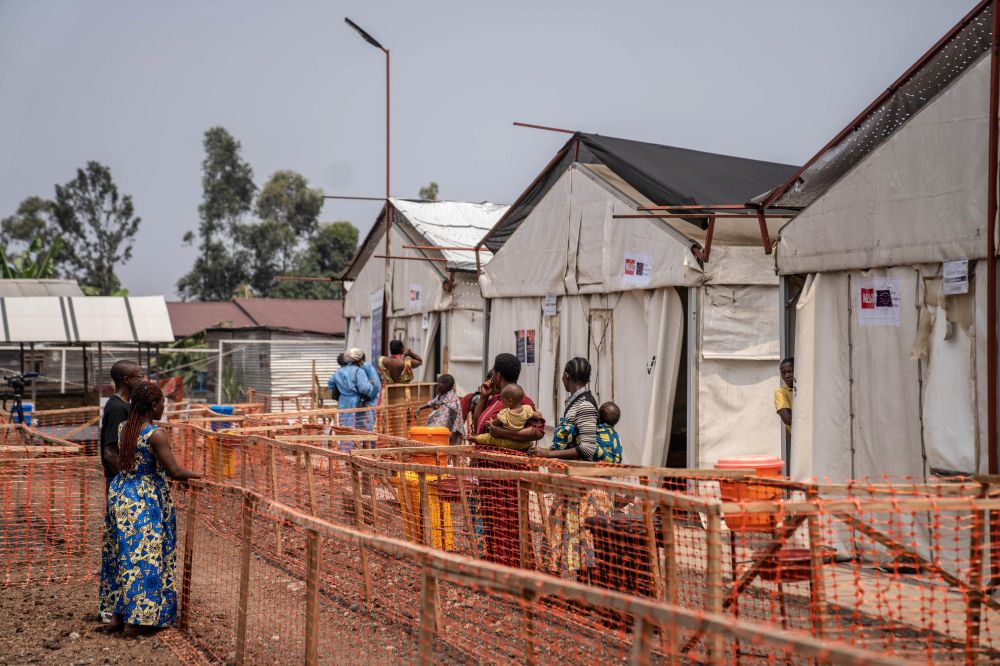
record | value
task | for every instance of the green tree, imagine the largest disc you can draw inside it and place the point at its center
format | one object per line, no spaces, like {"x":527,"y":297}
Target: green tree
{"x":34,"y":221}
{"x":289,"y":212}
{"x":99,"y":226}
{"x":286,"y":198}
{"x":429,"y":191}
{"x":36,"y":262}
{"x":328,"y":254}
{"x":227,"y":196}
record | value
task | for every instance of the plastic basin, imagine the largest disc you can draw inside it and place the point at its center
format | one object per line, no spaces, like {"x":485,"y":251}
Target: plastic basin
{"x":748,"y":491}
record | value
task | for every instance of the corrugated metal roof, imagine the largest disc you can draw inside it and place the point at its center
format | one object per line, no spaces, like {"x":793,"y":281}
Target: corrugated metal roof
{"x":194,"y":317}
{"x":85,"y":319}
{"x":11,"y":288}
{"x":313,"y":316}
{"x":453,"y":224}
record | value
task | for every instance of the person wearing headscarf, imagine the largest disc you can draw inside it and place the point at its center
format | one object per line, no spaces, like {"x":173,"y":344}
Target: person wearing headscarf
{"x":357,"y":388}
{"x":498,"y":498}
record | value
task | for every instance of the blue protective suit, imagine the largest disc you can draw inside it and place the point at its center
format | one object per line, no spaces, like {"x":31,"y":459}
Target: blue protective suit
{"x":358,"y":386}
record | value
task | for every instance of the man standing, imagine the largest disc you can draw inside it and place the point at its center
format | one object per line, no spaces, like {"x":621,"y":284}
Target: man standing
{"x":126,"y":375}
{"x":398,"y":367}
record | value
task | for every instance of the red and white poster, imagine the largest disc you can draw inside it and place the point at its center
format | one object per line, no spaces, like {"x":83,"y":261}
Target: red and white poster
{"x":879,"y":301}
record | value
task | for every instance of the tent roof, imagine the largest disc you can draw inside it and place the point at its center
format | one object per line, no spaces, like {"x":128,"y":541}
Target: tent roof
{"x":664,"y":175}
{"x":84,"y":319}
{"x":440,"y":223}
{"x":957,"y":51}
{"x":20,"y":287}
{"x":313,"y":316}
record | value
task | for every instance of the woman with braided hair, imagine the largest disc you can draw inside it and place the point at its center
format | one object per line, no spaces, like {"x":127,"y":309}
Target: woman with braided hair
{"x":140,"y":532}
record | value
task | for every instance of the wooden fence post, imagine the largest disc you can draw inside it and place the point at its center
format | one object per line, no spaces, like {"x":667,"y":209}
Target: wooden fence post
{"x":313,"y":544}
{"x":190,"y":527}
{"x":817,"y":591}
{"x":273,"y":466}
{"x":365,"y":572}
{"x":671,"y":636}
{"x":311,"y":482}
{"x":523,"y":524}
{"x":642,"y":642}
{"x":425,"y":511}
{"x":713,"y":593}
{"x":428,"y":617}
{"x":974,"y":603}
{"x":244,"y":589}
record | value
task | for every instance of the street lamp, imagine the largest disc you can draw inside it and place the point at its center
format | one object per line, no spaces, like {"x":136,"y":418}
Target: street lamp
{"x":374,"y":42}
{"x":385,"y":310}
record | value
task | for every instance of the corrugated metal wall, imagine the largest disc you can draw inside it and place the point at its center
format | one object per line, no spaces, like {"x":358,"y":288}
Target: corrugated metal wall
{"x":291,"y":365}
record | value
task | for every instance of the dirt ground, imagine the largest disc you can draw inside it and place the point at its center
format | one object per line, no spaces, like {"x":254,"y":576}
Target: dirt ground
{"x":55,"y":624}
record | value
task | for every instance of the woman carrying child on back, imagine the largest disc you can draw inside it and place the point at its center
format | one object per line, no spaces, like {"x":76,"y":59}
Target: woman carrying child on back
{"x":138,"y":557}
{"x":585,"y":432}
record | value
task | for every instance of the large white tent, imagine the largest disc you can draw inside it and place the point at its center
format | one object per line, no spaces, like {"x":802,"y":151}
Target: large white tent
{"x":688,"y":349}
{"x":889,"y":338}
{"x":432,"y":302}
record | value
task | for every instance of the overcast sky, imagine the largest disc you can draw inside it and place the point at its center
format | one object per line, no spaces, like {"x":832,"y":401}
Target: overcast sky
{"x":134,"y":85}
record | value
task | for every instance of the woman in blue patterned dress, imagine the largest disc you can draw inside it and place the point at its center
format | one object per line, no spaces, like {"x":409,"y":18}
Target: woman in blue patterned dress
{"x":140,"y":532}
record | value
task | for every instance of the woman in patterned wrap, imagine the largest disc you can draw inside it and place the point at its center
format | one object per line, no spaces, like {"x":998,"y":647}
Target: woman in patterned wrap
{"x":140,"y":533}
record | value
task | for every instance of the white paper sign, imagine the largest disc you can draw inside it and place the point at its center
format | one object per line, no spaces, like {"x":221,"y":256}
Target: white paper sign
{"x":549,"y":306}
{"x":879,"y":302}
{"x":956,"y":277}
{"x":637,"y":268}
{"x":425,"y":321}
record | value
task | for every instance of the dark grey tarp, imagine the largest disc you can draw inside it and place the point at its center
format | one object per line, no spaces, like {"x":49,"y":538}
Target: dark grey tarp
{"x":664,"y":174}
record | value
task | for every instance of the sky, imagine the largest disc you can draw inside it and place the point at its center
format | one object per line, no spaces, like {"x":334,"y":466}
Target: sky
{"x":134,"y":85}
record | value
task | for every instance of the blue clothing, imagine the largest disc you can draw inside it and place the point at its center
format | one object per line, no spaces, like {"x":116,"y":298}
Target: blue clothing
{"x":359,"y":387}
{"x":138,"y":554}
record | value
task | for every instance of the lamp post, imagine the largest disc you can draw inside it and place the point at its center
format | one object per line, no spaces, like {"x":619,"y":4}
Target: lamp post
{"x":385,"y":304}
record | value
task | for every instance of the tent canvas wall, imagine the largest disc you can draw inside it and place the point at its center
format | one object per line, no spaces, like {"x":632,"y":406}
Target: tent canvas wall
{"x":891,"y":372}
{"x":568,"y":279}
{"x":440,"y":319}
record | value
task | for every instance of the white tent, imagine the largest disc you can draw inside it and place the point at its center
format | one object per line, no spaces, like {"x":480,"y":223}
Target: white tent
{"x":891,"y":371}
{"x":569,"y":279}
{"x":433,"y":302}
{"x":84,"y":319}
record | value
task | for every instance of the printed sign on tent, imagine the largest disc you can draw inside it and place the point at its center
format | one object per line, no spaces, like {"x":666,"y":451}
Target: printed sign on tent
{"x":524,"y":345}
{"x":956,"y":277}
{"x":416,"y":295}
{"x":549,"y":305}
{"x":638,"y":268}
{"x":879,"y":302}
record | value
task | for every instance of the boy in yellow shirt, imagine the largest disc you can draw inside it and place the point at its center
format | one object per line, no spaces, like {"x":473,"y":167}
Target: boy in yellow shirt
{"x":783,"y":394}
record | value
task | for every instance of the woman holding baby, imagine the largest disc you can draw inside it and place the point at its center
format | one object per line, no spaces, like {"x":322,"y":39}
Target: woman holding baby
{"x":499,"y":497}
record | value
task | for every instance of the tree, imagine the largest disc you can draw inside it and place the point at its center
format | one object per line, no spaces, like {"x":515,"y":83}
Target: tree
{"x":98,"y":224}
{"x":34,"y":222}
{"x":227,"y":196}
{"x":327,"y":256}
{"x":429,"y":191}
{"x":289,"y":212}
{"x":36,"y":262}
{"x":286,"y":198}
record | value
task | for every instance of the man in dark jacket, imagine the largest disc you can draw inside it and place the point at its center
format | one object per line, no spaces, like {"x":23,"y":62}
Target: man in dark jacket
{"x":126,"y":375}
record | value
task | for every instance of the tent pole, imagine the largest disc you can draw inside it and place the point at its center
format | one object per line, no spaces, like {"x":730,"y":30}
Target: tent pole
{"x":991,"y":293}
{"x":487,"y":311}
{"x":991,"y":261}
{"x":692,"y":378}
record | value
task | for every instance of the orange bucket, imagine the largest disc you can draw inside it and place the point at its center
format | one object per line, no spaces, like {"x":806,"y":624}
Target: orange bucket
{"x":747,"y":491}
{"x":432,"y":435}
